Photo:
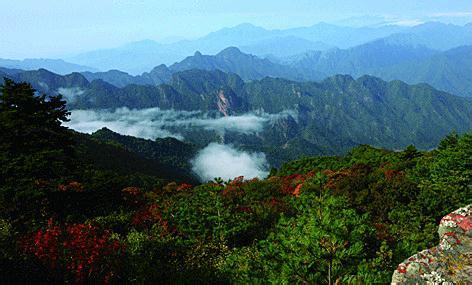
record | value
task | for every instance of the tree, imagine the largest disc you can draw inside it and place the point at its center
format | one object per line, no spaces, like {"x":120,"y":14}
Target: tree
{"x":307,"y":248}
{"x":35,"y":149}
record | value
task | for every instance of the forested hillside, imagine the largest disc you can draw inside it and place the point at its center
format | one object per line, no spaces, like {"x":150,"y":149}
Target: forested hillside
{"x":324,"y":118}
{"x":89,"y":209}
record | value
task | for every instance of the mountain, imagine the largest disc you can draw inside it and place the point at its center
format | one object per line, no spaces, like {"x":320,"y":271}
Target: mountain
{"x":342,"y":36}
{"x":106,"y":151}
{"x":231,"y":59}
{"x":327,"y":117}
{"x":158,"y":75}
{"x":436,"y":35}
{"x":357,"y":61}
{"x":138,"y":57}
{"x":388,"y":58}
{"x":115,"y":77}
{"x":391,"y":59}
{"x":103,"y":208}
{"x":450,"y":71}
{"x":280,"y":47}
{"x":58,"y":66}
{"x":169,"y":152}
{"x":248,"y":67}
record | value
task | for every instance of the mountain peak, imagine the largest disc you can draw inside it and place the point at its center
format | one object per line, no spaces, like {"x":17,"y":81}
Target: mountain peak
{"x":197,"y":53}
{"x":230,"y":51}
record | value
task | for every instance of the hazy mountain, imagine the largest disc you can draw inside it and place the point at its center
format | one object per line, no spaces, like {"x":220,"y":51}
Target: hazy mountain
{"x":436,"y":35}
{"x":139,"y":57}
{"x":280,"y":47}
{"x":58,"y":66}
{"x":340,"y":36}
{"x":248,"y":67}
{"x":450,"y":71}
{"x":231,"y":59}
{"x":115,"y":77}
{"x":359,"y":60}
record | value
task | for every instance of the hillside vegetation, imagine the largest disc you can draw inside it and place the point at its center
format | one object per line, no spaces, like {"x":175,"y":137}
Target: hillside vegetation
{"x":68,"y":214}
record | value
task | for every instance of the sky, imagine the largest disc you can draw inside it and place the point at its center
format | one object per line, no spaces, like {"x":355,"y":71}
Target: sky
{"x":61,"y":28}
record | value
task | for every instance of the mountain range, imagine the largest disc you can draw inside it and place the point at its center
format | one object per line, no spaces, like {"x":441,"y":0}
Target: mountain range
{"x":328,"y":117}
{"x":142,"y":56}
{"x":449,"y":70}
{"x":58,"y":66}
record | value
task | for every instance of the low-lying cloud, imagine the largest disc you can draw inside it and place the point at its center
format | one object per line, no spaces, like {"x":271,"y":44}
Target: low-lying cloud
{"x":154,"y":123}
{"x":70,"y":94}
{"x":217,"y":160}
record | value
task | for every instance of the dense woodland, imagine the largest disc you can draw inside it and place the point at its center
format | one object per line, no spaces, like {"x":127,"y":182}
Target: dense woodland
{"x":78,"y":208}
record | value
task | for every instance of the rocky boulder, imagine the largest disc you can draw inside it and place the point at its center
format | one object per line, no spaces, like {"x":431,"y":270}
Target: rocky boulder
{"x":448,"y":263}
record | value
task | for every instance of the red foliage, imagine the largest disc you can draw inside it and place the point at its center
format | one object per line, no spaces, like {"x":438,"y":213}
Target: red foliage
{"x":292,"y":184}
{"x":381,"y":232}
{"x":73,"y":186}
{"x":184,"y":186}
{"x":391,"y":174}
{"x":133,"y":195}
{"x":82,"y":250}
{"x":150,"y":215}
{"x":244,"y":209}
{"x":233,"y":189}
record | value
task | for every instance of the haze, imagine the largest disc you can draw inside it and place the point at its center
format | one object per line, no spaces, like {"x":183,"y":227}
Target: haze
{"x":57,"y":28}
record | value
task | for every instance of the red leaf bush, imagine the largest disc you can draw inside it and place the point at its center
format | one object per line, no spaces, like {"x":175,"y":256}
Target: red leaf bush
{"x":82,"y":251}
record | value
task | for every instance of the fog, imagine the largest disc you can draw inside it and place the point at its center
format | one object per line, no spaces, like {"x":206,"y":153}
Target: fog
{"x":154,"y":123}
{"x":217,"y":160}
{"x":70,"y":94}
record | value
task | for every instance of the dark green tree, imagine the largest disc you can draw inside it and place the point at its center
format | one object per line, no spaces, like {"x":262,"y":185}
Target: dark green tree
{"x":35,"y":149}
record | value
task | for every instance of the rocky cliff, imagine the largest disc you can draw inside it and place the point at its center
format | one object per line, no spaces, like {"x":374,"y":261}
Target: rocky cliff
{"x":448,"y":263}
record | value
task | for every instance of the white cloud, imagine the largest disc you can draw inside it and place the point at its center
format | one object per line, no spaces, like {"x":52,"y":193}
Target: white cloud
{"x":407,"y":22}
{"x":452,"y":15}
{"x":217,"y":160}
{"x":70,"y":94}
{"x":153,"y":122}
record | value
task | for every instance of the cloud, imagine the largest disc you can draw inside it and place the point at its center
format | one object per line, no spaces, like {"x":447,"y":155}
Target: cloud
{"x":452,"y":15}
{"x":153,"y":122}
{"x":407,"y":22}
{"x":217,"y":160}
{"x":121,"y":121}
{"x":70,"y":94}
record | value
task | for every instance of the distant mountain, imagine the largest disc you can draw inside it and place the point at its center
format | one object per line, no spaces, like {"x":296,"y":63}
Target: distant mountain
{"x":390,"y":59}
{"x":450,"y":71}
{"x":280,"y":47}
{"x":158,"y":75}
{"x":359,"y":60}
{"x":115,"y":77}
{"x":58,"y":66}
{"x":248,"y":67}
{"x":341,"y":36}
{"x":436,"y":35}
{"x":139,"y":57}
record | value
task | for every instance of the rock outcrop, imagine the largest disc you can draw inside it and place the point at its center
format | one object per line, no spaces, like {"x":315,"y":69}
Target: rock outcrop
{"x":448,"y":263}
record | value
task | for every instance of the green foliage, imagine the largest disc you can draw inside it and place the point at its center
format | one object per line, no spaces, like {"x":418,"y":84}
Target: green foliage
{"x":317,"y":220}
{"x":324,"y":241}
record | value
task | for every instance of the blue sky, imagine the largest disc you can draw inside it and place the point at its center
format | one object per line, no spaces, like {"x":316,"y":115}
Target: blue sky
{"x":54,"y":28}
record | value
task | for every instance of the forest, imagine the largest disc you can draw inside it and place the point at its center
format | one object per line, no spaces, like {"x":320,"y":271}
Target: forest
{"x":76,"y":208}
